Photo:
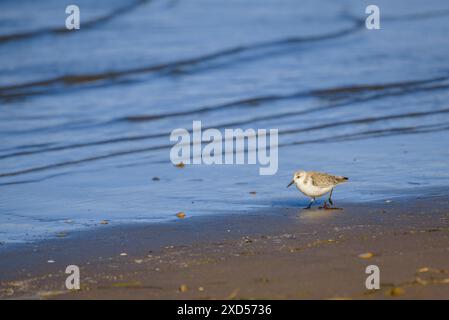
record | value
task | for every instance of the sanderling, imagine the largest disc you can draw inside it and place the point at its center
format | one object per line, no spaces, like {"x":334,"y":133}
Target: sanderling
{"x":316,"y":184}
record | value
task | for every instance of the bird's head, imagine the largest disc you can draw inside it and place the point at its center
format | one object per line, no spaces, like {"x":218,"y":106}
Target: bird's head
{"x":296,"y":176}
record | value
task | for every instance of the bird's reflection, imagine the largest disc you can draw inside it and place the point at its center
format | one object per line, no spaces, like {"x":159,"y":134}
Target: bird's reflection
{"x":319,"y":214}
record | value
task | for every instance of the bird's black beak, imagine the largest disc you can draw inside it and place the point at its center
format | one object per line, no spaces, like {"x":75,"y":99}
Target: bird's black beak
{"x":292,"y":182}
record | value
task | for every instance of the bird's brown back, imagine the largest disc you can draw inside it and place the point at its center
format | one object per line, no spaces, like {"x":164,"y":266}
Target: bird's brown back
{"x":325,"y":180}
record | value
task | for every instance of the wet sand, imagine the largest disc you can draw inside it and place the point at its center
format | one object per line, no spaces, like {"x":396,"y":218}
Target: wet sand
{"x":284,"y":253}
{"x":86,"y":133}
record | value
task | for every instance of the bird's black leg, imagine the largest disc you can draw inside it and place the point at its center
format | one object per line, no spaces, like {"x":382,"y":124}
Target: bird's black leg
{"x":330,"y":198}
{"x":310,"y":203}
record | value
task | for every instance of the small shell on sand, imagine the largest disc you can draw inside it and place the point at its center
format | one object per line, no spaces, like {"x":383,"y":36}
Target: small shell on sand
{"x":183,"y":288}
{"x":366,"y":255}
{"x":396,"y":291}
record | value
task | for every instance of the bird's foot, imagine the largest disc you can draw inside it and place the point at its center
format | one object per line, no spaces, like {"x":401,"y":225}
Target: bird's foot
{"x":325,"y":206}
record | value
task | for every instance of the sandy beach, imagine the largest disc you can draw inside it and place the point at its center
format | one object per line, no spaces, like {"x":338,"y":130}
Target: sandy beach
{"x":288,"y":253}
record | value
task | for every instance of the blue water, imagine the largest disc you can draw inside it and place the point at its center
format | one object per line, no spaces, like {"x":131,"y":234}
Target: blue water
{"x":85,"y":116}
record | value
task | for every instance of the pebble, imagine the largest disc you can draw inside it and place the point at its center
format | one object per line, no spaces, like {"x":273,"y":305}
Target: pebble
{"x":183,"y":288}
{"x":180,"y":165}
{"x":181,"y":215}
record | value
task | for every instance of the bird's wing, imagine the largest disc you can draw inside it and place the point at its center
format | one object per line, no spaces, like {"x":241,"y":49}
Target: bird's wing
{"x":326,"y":180}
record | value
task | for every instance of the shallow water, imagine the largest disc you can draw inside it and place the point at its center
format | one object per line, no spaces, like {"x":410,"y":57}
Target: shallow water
{"x":85,"y":116}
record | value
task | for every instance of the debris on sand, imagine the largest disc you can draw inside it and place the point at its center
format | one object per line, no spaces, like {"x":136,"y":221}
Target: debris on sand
{"x":420,"y":281}
{"x":104,"y":222}
{"x":423,"y":269}
{"x":156,"y":179}
{"x":183,"y":288}
{"x":129,"y":285}
{"x":396,"y":291}
{"x":253,"y":193}
{"x":233,"y":294}
{"x":366,"y":255}
{"x":49,"y":294}
{"x":180,"y":165}
{"x":341,"y":298}
{"x":7,"y":292}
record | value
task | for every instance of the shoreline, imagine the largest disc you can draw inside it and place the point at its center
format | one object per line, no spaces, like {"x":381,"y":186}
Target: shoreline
{"x":258,"y":208}
{"x":279,"y":253}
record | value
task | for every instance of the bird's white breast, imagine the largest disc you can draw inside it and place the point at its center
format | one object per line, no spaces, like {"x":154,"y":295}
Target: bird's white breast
{"x":311,"y":190}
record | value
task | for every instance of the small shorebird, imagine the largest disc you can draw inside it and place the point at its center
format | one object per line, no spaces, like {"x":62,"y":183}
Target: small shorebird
{"x":316,"y":184}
